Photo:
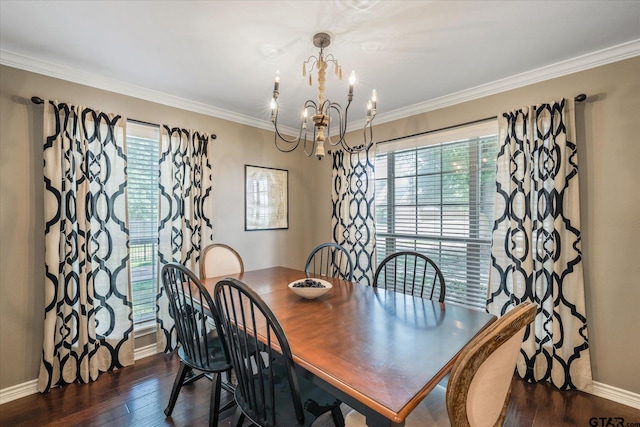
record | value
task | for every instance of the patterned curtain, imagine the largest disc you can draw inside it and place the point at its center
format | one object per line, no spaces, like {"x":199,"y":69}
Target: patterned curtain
{"x":88,"y":311}
{"x":185,"y":225}
{"x":353,"y":209}
{"x":536,"y":254}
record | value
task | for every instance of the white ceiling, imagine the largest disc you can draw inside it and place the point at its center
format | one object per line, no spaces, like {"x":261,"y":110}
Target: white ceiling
{"x":220,"y":57}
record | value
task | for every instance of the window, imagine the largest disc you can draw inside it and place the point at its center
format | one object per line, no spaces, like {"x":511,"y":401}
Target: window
{"x":435,"y":195}
{"x":142,"y":193}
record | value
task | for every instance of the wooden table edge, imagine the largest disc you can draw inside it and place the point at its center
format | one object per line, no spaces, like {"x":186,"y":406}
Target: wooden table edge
{"x":374,"y":405}
{"x":411,"y":405}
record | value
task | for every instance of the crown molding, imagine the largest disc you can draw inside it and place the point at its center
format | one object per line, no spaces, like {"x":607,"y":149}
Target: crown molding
{"x":580,"y":63}
{"x":559,"y":69}
{"x":16,"y":60}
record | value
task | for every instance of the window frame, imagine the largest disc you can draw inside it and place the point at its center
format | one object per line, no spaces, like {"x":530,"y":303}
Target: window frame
{"x":150,"y":132}
{"x":476,"y":137}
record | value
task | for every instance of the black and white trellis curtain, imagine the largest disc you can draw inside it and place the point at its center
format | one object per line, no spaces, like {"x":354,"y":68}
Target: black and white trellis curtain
{"x":185,"y":225}
{"x":536,"y":251}
{"x":88,"y":311}
{"x":353,"y":201}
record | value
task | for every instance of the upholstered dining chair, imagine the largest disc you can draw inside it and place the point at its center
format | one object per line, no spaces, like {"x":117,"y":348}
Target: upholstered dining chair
{"x":331,"y":260}
{"x":477,"y":394}
{"x":218,"y":259}
{"x":268,"y":390}
{"x":198,"y":349}
{"x":411,"y":273}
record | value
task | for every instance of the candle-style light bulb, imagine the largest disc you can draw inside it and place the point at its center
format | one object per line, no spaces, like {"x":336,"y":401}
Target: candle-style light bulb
{"x":276,"y":83}
{"x":304,"y":118}
{"x":352,"y":82}
{"x":374,"y":102}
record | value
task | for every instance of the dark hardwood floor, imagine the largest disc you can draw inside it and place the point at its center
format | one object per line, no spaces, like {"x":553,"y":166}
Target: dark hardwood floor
{"x":137,"y":396}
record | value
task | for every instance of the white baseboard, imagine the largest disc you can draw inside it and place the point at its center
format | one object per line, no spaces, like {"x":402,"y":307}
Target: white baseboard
{"x":618,"y":395}
{"x":18,"y":391}
{"x":146,"y":351}
{"x":31,"y":387}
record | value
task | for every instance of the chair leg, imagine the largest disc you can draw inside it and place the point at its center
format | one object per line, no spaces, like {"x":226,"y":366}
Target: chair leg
{"x":191,"y":377}
{"x":336,"y":414}
{"x":227,"y":384}
{"x":238,"y":418}
{"x":177,"y":385}
{"x":214,"y":406}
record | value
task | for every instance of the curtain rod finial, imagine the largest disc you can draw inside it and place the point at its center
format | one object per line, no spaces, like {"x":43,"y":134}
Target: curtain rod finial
{"x":37,"y":100}
{"x":580,"y":98}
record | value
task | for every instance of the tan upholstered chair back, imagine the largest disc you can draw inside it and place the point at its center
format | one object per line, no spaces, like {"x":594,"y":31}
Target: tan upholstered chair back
{"x":218,"y":259}
{"x":479,"y":386}
{"x":480,"y":382}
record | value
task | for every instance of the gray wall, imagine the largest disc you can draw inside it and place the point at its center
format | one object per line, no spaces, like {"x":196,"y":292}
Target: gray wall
{"x":608,"y":125}
{"x":21,"y":206}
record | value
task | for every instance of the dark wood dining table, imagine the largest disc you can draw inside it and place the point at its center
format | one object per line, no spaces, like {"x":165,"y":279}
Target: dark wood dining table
{"x":379,"y":351}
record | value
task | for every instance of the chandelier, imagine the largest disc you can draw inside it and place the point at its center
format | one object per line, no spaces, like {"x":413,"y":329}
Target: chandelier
{"x":321,"y":111}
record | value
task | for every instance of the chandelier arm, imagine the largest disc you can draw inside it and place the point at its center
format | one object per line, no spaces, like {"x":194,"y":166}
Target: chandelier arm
{"x":343,"y":140}
{"x":307,"y":152}
{"x":368,"y":143}
{"x":331,"y":58}
{"x":285,"y":150}
{"x":295,"y":141}
{"x":343,"y":130}
{"x":342,"y":123}
{"x":357,"y":148}
{"x":326,"y":105}
{"x":338,"y":110}
{"x":313,"y":60}
{"x":310,"y":103}
{"x":365,"y":144}
{"x":291,"y":144}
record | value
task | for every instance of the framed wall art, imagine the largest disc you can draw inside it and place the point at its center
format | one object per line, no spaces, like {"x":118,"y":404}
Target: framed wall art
{"x":266,"y":193}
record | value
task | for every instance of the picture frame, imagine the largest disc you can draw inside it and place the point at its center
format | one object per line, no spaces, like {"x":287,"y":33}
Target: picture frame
{"x":266,"y":198}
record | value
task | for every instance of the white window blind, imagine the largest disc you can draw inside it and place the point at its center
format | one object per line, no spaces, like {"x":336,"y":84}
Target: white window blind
{"x":435,"y":195}
{"x":142,"y":195}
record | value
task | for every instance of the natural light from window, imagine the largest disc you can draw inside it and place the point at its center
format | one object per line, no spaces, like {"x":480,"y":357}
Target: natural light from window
{"x":142,"y":192}
{"x":435,"y":195}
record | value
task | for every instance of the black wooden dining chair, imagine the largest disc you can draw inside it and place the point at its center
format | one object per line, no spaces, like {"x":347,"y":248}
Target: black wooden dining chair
{"x":198,"y":349}
{"x":411,"y":273}
{"x":268,"y":390}
{"x":331,"y":260}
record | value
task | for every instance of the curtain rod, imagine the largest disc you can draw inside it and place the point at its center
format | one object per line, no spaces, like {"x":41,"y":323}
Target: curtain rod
{"x":38,"y":100}
{"x":427,"y":132}
{"x":578,"y":98}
